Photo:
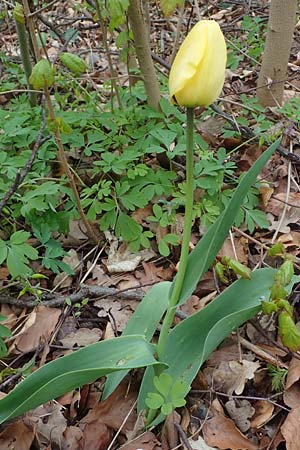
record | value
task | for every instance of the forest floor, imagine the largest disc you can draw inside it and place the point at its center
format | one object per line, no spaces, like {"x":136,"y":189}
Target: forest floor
{"x":246,"y":395}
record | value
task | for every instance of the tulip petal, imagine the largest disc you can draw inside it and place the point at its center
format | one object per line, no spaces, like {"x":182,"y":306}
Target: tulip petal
{"x":198,"y":71}
{"x":188,"y":58}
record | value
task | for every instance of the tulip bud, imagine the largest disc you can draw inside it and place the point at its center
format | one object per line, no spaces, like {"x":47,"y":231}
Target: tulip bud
{"x":198,"y":71}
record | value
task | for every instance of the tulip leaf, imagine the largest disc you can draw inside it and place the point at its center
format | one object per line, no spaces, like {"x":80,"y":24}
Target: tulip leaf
{"x":81,"y":367}
{"x":144,"y":321}
{"x":203,"y":255}
{"x":192,"y":341}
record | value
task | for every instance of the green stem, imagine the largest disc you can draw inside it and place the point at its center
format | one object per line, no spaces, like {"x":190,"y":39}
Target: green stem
{"x":25,"y":56}
{"x":175,"y":295}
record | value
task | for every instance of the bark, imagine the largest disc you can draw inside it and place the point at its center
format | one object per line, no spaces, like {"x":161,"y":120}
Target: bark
{"x":143,"y":52}
{"x":277,"y":50}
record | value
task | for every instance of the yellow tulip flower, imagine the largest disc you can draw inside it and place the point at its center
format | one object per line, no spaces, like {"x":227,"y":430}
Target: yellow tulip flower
{"x":198,"y":71}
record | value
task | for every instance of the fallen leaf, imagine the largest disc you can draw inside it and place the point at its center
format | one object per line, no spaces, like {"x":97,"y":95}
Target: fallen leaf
{"x":277,"y":206}
{"x":291,"y":393}
{"x":118,"y":310}
{"x":291,"y":429}
{"x":220,"y":432}
{"x":263,"y":413}
{"x":16,"y":436}
{"x":231,"y":376}
{"x":147,"y":441}
{"x":82,"y":337}
{"x":71,"y":438}
{"x":240,"y":412}
{"x":41,"y":327}
{"x":200,"y":444}
{"x":238,"y":249}
{"x":96,"y":435}
{"x":115,"y":409}
{"x":49,"y":423}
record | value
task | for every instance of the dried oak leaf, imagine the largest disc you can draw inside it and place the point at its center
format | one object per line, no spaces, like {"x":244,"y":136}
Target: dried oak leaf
{"x":291,"y":429}
{"x":220,"y":432}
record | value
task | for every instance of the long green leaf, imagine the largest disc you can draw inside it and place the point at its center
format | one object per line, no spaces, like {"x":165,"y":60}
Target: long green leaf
{"x":144,"y":321}
{"x":203,"y":255}
{"x":71,"y":371}
{"x":191,"y":342}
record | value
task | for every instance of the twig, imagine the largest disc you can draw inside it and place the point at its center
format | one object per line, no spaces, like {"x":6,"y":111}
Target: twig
{"x":275,"y":343}
{"x":183,"y":436}
{"x":242,"y":397}
{"x":262,"y":353}
{"x":90,"y":292}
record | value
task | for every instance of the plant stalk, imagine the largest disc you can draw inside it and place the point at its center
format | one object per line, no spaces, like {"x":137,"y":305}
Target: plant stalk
{"x":64,"y":162}
{"x":25,"y":56}
{"x":188,"y":218}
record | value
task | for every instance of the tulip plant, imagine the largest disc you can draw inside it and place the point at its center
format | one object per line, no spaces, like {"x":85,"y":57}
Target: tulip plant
{"x":196,"y":79}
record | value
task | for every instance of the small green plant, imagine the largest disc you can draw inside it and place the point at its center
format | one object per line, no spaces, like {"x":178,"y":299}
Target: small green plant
{"x":28,"y":288}
{"x":16,"y":252}
{"x":278,"y":376}
{"x":4,"y":333}
{"x":169,"y":395}
{"x":77,"y":307}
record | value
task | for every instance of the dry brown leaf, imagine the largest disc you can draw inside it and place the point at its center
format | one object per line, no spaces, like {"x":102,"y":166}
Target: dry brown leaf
{"x":291,"y":430}
{"x":71,"y":438}
{"x":240,"y":412}
{"x":114,"y":409}
{"x":291,"y":214}
{"x":121,"y":259}
{"x":232,"y":376}
{"x":96,"y":436}
{"x":118,"y":310}
{"x":263,"y":413}
{"x":170,"y":435}
{"x":41,"y":328}
{"x":249,"y":156}
{"x":266,"y":192}
{"x":49,"y":423}
{"x":82,"y":337}
{"x":228,"y":353}
{"x":238,"y":249}
{"x":16,"y":436}
{"x":200,"y":444}
{"x":292,"y":387}
{"x":99,"y":276}
{"x":147,"y":441}
{"x":220,"y":432}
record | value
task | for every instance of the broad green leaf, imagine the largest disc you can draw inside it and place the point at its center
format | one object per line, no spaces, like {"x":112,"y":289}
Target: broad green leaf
{"x":163,"y":383}
{"x":19,"y":237}
{"x":191,"y":342}
{"x":288,"y":331}
{"x":3,"y":251}
{"x":16,"y":265}
{"x":144,"y":321}
{"x":203,"y":255}
{"x":69,"y":372}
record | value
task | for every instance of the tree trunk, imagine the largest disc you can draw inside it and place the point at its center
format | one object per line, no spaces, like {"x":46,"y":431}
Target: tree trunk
{"x":277,"y":51}
{"x":143,"y":52}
